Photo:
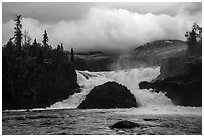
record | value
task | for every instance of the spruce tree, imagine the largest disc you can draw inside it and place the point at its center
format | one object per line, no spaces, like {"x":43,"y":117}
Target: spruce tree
{"x":194,"y":37}
{"x":72,"y":55}
{"x":35,"y":42}
{"x":58,"y":48}
{"x":62,"y":48}
{"x":18,"y":33}
{"x":45,"y":39}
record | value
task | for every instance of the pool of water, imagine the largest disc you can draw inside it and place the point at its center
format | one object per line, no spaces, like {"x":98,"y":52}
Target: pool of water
{"x":97,"y":121}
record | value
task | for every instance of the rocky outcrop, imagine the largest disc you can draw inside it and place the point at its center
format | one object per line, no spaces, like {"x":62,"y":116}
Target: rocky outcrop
{"x":173,"y":66}
{"x":124,"y":124}
{"x":184,"y":89}
{"x":145,"y":85}
{"x":109,"y":95}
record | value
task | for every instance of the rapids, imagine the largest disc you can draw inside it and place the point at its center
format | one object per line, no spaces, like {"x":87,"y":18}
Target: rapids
{"x":129,"y":78}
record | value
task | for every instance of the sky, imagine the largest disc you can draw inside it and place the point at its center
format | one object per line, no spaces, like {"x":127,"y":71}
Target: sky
{"x":96,"y":26}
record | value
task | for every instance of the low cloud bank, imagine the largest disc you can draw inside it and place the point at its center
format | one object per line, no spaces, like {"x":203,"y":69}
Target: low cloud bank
{"x":113,"y":30}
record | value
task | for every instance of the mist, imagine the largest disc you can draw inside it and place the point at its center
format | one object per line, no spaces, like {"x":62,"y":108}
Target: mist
{"x":108,"y":30}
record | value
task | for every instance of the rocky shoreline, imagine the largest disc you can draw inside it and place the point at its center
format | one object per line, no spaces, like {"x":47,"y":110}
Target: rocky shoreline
{"x":183,"y":89}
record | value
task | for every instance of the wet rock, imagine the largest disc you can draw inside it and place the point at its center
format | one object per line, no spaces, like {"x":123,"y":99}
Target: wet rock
{"x":144,"y":85}
{"x":109,"y":95}
{"x":184,"y":89}
{"x":124,"y":124}
{"x":150,"y":119}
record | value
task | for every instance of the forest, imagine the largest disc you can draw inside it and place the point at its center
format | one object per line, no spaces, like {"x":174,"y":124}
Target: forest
{"x":35,"y":75}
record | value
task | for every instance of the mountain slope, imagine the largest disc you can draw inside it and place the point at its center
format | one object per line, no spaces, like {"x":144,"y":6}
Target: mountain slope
{"x":150,"y":54}
{"x":160,"y":48}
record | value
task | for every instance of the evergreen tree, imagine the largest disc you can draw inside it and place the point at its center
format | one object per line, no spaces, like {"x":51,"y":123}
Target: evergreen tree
{"x":18,"y":33}
{"x":62,"y":48}
{"x":194,"y":37}
{"x":35,"y":42}
{"x":58,"y":48}
{"x":34,"y":76}
{"x":72,"y":55}
{"x":45,"y":39}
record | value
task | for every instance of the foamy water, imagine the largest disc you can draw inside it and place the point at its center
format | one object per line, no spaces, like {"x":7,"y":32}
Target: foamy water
{"x":163,"y":110}
{"x":150,"y":103}
{"x":129,"y":78}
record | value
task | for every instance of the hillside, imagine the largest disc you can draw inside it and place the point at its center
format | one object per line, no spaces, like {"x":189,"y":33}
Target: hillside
{"x":162,"y":48}
{"x":150,"y":54}
{"x":180,"y":73}
{"x":94,"y":61}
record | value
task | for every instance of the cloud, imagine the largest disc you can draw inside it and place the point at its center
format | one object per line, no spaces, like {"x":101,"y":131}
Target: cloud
{"x":190,"y":11}
{"x":192,"y":8}
{"x":107,"y":29}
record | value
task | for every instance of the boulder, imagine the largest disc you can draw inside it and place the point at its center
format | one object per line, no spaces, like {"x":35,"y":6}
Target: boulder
{"x":124,"y":124}
{"x":144,"y":85}
{"x":109,"y":95}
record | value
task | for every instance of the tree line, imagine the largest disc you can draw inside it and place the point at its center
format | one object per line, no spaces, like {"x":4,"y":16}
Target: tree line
{"x":194,"y":40}
{"x":35,"y":74}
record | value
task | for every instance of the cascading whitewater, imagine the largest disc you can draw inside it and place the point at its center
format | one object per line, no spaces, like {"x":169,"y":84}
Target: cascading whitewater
{"x":129,"y":78}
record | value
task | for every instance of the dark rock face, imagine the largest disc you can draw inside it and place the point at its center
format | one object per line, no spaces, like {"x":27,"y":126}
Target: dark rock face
{"x":124,"y":124}
{"x":109,"y":95}
{"x":184,"y":89}
{"x":151,"y":119}
{"x":173,"y":66}
{"x":145,"y":85}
